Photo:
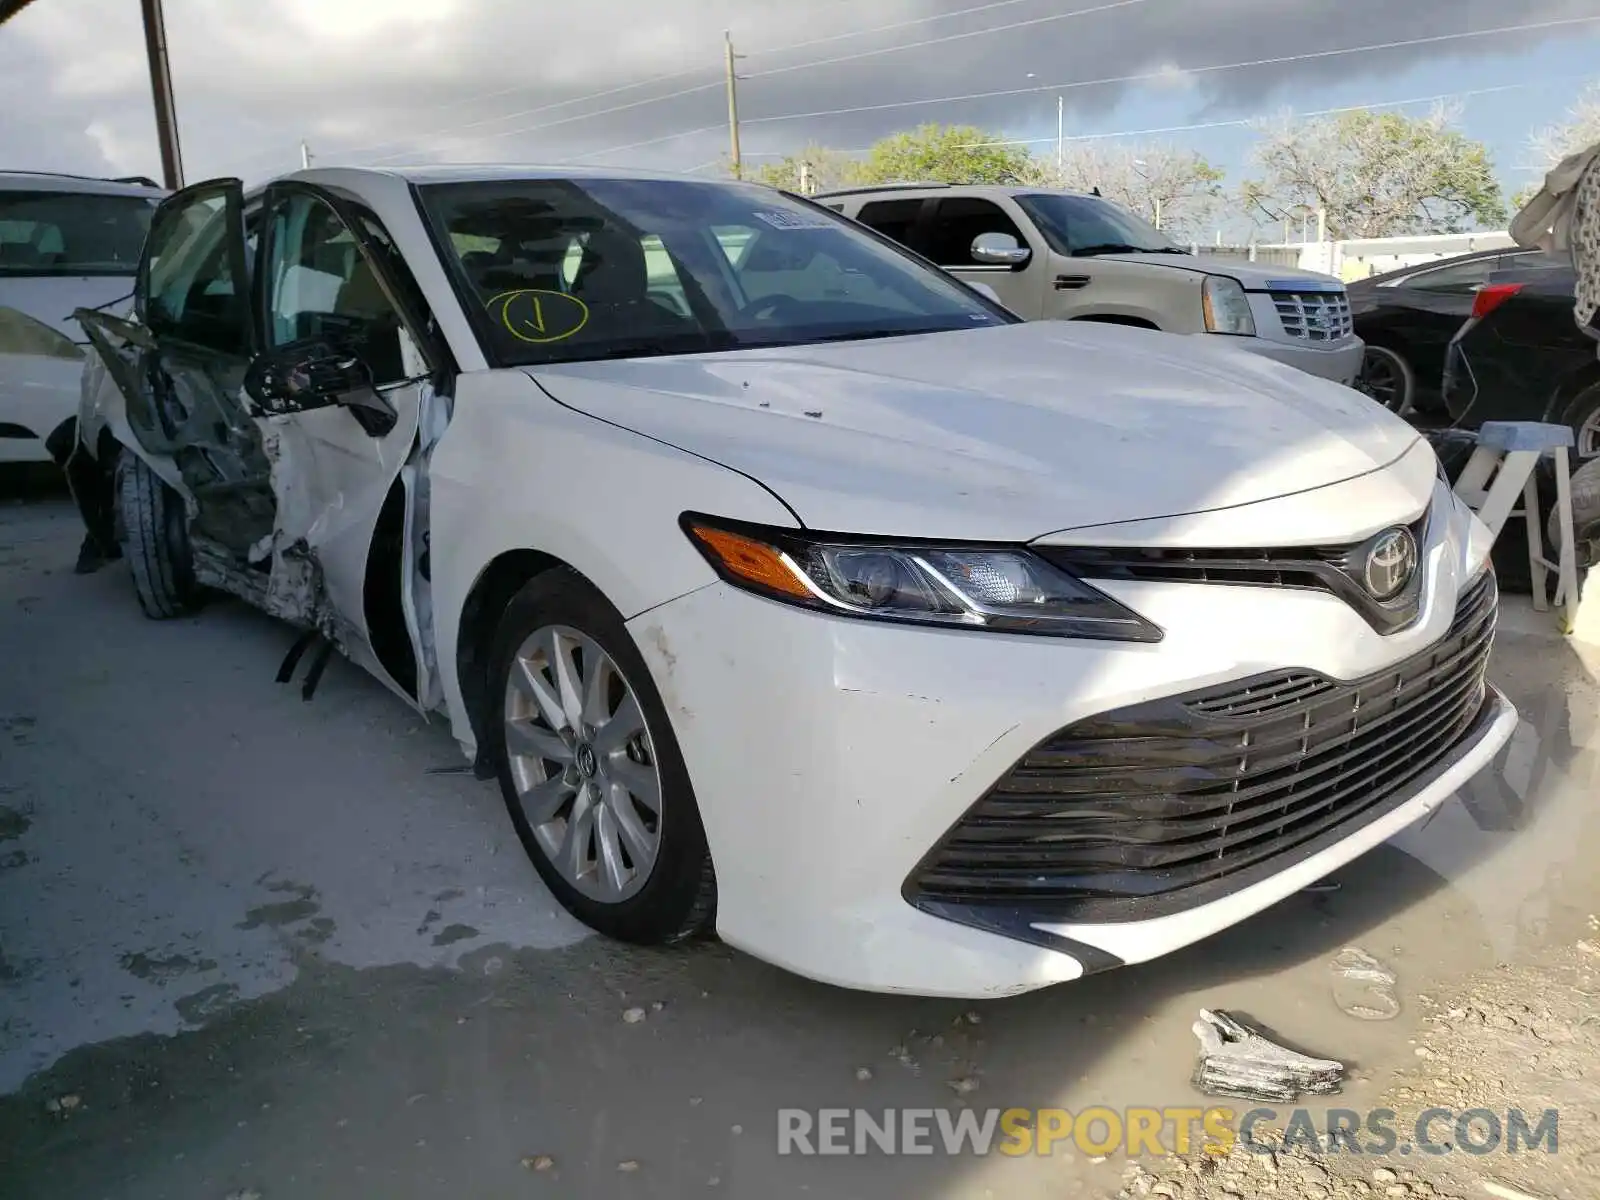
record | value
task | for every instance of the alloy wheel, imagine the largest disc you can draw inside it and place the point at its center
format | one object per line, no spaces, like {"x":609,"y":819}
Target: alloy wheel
{"x":1589,"y":437}
{"x":1384,"y":379}
{"x":582,"y":763}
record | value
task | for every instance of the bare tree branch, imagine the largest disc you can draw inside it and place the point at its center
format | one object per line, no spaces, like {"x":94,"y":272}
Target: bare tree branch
{"x":1376,"y":174}
{"x":1177,"y":189}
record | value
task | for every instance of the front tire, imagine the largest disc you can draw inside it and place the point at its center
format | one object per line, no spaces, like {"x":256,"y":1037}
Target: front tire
{"x":153,"y":532}
{"x":590,"y":770}
{"x":1388,"y":378}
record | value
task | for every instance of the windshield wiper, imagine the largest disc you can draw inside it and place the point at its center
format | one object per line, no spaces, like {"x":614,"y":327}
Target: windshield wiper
{"x":1124,"y":248}
{"x":658,"y":347}
{"x":853,"y":335}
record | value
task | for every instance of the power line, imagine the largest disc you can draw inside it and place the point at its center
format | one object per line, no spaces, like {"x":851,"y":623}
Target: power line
{"x":670,"y":76}
{"x":705,"y":87}
{"x":1243,"y":121}
{"x":910,"y":21}
{"x":600,"y":112}
{"x":655,"y":141}
{"x":1137,"y":78}
{"x":1145,"y":76}
{"x":953,"y":37}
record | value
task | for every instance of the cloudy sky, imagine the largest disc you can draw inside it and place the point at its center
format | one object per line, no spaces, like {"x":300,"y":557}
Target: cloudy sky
{"x":374,"y":81}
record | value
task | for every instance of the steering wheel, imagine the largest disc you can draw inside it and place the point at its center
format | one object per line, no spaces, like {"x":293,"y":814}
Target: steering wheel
{"x":775,"y":307}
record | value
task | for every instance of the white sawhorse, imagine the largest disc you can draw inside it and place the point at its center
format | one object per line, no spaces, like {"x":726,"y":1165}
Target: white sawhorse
{"x":1499,"y":473}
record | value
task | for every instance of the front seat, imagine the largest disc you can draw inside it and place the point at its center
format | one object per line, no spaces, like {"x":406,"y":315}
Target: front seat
{"x":612,"y":272}
{"x":363,"y":303}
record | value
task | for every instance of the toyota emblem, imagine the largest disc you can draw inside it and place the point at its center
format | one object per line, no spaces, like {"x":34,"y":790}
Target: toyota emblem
{"x":1390,"y":562}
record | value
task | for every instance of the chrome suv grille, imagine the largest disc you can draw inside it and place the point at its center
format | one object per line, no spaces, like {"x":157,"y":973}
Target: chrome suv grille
{"x":1315,"y":316}
{"x":1167,"y":804}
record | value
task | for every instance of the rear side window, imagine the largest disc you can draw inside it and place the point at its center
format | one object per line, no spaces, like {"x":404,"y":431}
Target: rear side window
{"x":895,"y":219}
{"x":1458,"y":277}
{"x":71,"y":233}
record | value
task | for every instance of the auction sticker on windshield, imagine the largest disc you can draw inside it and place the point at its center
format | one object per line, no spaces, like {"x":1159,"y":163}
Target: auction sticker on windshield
{"x":794,"y":220}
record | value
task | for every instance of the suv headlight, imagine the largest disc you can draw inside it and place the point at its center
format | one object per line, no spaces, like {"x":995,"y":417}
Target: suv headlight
{"x":22,"y":334}
{"x":1006,"y":588}
{"x":1226,"y":306}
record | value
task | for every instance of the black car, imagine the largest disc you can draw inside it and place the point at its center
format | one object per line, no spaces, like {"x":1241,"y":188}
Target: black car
{"x":1407,"y":318}
{"x":1520,"y":356}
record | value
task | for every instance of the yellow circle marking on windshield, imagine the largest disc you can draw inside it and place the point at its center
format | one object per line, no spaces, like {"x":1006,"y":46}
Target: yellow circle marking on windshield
{"x":539,"y":314}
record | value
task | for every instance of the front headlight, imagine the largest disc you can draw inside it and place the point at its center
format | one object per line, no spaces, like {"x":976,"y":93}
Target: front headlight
{"x":972,"y":587}
{"x":1226,"y":306}
{"x":21,"y":334}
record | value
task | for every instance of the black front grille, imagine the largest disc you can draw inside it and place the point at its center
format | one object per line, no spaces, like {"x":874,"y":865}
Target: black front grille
{"x":1333,"y":568}
{"x":1168,"y":804}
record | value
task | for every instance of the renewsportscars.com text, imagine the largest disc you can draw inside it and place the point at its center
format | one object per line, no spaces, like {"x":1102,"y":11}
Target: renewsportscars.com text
{"x":1138,"y":1132}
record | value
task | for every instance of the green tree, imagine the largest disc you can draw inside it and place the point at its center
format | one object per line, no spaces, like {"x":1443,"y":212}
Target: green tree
{"x":821,"y":168}
{"x":944,"y":154}
{"x":1376,"y":175}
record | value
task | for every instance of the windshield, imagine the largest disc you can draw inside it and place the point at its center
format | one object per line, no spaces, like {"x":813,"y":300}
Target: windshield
{"x":569,"y":270}
{"x":71,"y":233}
{"x":1085,"y":225}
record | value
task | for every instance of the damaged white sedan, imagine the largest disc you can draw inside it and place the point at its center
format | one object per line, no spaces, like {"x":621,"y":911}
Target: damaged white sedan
{"x":790,"y":588}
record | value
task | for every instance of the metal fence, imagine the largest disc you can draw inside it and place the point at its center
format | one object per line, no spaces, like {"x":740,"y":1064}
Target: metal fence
{"x":1274,"y":256}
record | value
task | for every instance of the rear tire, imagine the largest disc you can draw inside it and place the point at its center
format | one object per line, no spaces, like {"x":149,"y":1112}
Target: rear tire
{"x":567,"y":788}
{"x":1585,"y":516}
{"x":1583,"y":414}
{"x":153,"y":531}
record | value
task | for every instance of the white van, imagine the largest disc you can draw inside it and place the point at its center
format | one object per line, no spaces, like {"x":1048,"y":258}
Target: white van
{"x":66,"y":242}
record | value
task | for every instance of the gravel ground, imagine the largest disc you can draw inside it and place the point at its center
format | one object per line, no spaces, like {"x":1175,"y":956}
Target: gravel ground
{"x":1526,"y":1037}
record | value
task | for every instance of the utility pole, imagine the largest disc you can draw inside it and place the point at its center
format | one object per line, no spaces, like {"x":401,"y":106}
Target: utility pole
{"x":733,"y":107}
{"x":155,"y":44}
{"x":305,"y":156}
{"x":807,"y":188}
{"x":1158,"y":212}
{"x":1061,"y":140}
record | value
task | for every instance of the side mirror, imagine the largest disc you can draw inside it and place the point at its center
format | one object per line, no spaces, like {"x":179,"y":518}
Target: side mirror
{"x":999,"y":250}
{"x":305,"y":376}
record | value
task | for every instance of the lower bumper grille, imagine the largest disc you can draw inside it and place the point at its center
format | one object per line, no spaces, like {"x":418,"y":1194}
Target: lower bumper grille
{"x":1168,"y":804}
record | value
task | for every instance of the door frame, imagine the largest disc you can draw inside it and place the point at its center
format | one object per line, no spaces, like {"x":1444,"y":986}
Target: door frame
{"x":434,"y":386}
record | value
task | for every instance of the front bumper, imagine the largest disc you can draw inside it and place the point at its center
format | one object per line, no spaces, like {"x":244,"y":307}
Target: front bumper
{"x":830,"y":755}
{"x":1340,"y":361}
{"x":37,"y":394}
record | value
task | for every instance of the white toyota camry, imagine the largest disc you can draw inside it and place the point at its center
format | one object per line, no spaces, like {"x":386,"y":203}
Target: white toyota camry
{"x":791,"y":588}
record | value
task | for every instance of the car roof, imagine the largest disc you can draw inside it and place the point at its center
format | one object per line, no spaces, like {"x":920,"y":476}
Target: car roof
{"x":917,"y":191}
{"x":1436,"y":264}
{"x":52,"y":181}
{"x":494,"y":172}
{"x":397,"y":180}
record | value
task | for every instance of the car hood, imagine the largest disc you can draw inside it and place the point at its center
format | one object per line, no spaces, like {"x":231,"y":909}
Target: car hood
{"x":1005,"y":433}
{"x":51,"y":299}
{"x":1255,"y":277}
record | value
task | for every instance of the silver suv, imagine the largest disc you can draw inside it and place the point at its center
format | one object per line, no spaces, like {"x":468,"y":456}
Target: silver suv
{"x":1055,"y":254}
